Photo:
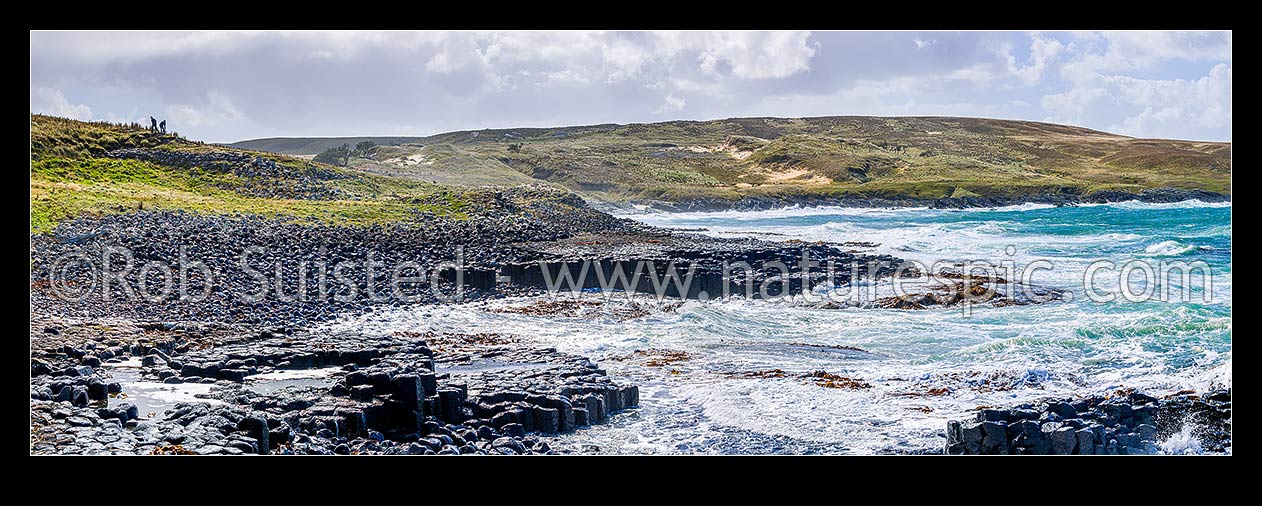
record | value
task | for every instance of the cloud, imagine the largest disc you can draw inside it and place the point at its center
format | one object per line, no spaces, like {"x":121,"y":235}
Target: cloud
{"x":754,"y":55}
{"x":52,"y":102}
{"x":1098,"y":53}
{"x":1171,"y":105}
{"x":224,"y":86}
{"x":1116,"y":81}
{"x":671,"y":104}
{"x":214,"y":110}
{"x":1149,"y":107}
{"x":1043,"y":51}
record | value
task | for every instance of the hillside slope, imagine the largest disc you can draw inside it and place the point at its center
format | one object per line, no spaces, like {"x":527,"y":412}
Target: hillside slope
{"x":825,"y":158}
{"x":94,"y":168}
{"x":301,"y":146}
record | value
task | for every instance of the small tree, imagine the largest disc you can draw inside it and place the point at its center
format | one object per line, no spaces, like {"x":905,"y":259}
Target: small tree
{"x":364,"y":147}
{"x":339,"y":156}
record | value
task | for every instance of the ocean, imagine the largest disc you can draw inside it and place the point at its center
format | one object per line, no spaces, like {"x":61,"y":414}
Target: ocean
{"x":921,"y":367}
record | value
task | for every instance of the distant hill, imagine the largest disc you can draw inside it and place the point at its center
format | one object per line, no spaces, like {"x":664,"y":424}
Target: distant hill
{"x":824,"y":157}
{"x":312,"y":145}
{"x":95,"y":168}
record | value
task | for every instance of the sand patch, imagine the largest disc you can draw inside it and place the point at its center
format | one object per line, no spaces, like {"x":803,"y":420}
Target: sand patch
{"x":795,"y":176}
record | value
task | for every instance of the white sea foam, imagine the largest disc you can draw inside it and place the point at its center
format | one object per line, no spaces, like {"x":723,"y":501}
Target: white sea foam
{"x":294,"y":374}
{"x":1168,"y":249}
{"x":1183,"y":442}
{"x":1215,"y":378}
{"x":1184,"y":204}
{"x":997,"y":356}
{"x":797,"y":211}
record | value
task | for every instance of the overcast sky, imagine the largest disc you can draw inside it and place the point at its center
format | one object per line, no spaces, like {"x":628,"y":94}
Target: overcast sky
{"x":228,"y":86}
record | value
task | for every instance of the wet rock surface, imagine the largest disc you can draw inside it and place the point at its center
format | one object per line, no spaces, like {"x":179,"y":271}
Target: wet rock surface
{"x":268,"y":285}
{"x":261,"y":176}
{"x":1057,"y":199}
{"x":1127,"y":423}
{"x":244,"y":376}
{"x":245,"y":269}
{"x":292,"y":392}
{"x":972,"y":291}
{"x":691,"y":266}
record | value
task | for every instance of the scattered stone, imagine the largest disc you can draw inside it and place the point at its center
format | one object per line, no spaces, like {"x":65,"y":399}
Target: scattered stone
{"x":1129,"y":423}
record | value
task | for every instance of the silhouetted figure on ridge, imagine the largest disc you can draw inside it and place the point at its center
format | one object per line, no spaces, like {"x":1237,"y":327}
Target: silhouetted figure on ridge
{"x":163,"y":126}
{"x":153,"y":124}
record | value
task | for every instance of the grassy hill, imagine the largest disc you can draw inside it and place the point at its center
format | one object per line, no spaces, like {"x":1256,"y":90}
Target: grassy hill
{"x":77,"y":170}
{"x":313,"y":145}
{"x":845,"y":156}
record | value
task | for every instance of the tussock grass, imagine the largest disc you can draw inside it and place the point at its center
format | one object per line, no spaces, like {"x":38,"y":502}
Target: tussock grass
{"x":70,"y":177}
{"x":926,"y":157}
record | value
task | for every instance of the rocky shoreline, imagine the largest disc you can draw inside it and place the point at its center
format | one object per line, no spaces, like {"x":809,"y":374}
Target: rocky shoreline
{"x":760,"y":203}
{"x":1125,"y":423}
{"x":113,"y":373}
{"x":122,"y":375}
{"x":296,"y":392}
{"x":500,"y":255}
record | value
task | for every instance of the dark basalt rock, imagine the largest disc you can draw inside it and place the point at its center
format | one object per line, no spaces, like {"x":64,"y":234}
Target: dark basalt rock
{"x":263,"y":177}
{"x":502,"y":248}
{"x":749,"y":203}
{"x":1127,"y":424}
{"x":397,"y":395}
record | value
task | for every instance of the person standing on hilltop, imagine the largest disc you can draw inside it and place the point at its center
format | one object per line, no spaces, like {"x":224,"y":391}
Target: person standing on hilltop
{"x":153,"y":124}
{"x":163,"y":126}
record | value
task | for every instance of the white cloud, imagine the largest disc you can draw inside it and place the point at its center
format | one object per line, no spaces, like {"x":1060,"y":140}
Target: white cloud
{"x":755,"y":55}
{"x":1148,"y":107}
{"x":1101,"y":53}
{"x":52,"y":102}
{"x":671,"y":104}
{"x":1170,"y":106}
{"x":624,"y":59}
{"x":1111,"y":84}
{"x":1043,"y":50}
{"x":215,"y":110}
{"x":439,"y":63}
{"x":233,"y":85}
{"x":1071,"y":106}
{"x":973,"y":76}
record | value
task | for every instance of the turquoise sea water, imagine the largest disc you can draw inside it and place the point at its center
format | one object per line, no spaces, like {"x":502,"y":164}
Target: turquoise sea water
{"x":924,"y":367}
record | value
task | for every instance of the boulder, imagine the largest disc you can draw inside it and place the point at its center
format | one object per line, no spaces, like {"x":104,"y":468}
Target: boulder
{"x":1086,"y":441}
{"x":994,"y":438}
{"x":97,"y":389}
{"x":971,"y":435}
{"x":255,"y":426}
{"x":546,"y":420}
{"x":1064,"y":409}
{"x":510,"y":444}
{"x":513,"y":430}
{"x":992,"y":415}
{"x":581,"y":418}
{"x":153,"y":360}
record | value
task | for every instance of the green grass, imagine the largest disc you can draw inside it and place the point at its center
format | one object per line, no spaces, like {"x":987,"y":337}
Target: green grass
{"x":63,"y":188}
{"x":432,"y":163}
{"x":53,"y":136}
{"x":69,"y":178}
{"x":925,"y":157}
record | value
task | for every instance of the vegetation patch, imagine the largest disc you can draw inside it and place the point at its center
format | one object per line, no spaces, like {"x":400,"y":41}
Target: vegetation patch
{"x":92,"y":169}
{"x":825,"y":157}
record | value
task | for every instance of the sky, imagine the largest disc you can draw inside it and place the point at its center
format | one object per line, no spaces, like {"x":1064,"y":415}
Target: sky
{"x":229,"y":86}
